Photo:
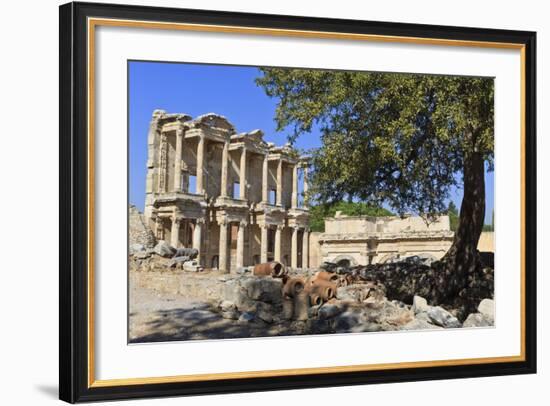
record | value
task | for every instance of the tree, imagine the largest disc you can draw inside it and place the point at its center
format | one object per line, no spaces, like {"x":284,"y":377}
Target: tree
{"x":399,"y":139}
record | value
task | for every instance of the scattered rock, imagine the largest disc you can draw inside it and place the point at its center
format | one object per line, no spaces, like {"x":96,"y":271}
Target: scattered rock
{"x":190,"y":253}
{"x":177,"y":262}
{"x":344,"y":322}
{"x":247,"y":317}
{"x":328,"y":310}
{"x":192,"y":266}
{"x":478,"y":320}
{"x":243,"y":270}
{"x":420,"y":305}
{"x":264,"y":289}
{"x":419,"y":324}
{"x":164,"y":249}
{"x":227,"y":305}
{"x":442,"y":317}
{"x":135,"y":248}
{"x":143,"y":254}
{"x":487,"y":308}
{"x":265,"y":315}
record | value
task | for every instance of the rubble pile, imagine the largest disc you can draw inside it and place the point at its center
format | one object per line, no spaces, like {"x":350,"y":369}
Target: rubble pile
{"x":412,"y":276}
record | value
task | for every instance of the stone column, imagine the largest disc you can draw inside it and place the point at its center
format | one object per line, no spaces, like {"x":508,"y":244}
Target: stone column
{"x":242,"y":175}
{"x":265,"y":180}
{"x":225,"y":161}
{"x":294,"y":249}
{"x":278,"y":247}
{"x":197,"y":236}
{"x":222,"y":263}
{"x":175,"y":232}
{"x":295,"y":186}
{"x":280,"y":183}
{"x":240,"y":245}
{"x":177,"y":160}
{"x":263,"y":245}
{"x":200,"y":166}
{"x":305,"y":186}
{"x":305,"y":249}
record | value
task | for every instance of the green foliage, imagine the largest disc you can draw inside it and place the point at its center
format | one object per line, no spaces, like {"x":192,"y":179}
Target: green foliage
{"x":452,"y":212}
{"x":320,"y":212}
{"x":399,"y":139}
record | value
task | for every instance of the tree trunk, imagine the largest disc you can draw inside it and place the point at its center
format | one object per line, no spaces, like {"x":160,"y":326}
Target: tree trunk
{"x":462,"y":259}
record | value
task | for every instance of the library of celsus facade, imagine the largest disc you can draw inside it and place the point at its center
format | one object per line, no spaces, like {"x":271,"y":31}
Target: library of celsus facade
{"x":233,"y":196}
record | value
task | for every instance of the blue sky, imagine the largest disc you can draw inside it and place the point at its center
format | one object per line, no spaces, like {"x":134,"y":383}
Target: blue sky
{"x":196,"y":89}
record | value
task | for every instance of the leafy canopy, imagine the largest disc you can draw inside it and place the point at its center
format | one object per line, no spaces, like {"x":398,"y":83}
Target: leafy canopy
{"x":399,"y":139}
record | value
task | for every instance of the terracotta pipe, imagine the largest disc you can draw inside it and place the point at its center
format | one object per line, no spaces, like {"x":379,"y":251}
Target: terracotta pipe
{"x":325,"y":276}
{"x":315,"y":299}
{"x":274,"y":269}
{"x":293,"y":286}
{"x":301,"y":306}
{"x":288,"y":309}
{"x":326,"y":290}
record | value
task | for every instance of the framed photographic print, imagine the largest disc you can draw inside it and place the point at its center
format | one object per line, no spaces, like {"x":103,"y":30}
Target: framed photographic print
{"x":258,"y":202}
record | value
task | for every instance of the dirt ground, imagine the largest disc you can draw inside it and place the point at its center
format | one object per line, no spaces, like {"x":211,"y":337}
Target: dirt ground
{"x":162,"y":317}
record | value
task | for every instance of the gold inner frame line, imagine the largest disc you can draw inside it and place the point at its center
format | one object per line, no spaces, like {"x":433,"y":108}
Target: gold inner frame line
{"x":94,"y":22}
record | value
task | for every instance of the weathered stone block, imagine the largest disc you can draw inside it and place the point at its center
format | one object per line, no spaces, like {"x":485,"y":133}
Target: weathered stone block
{"x":264,"y":289}
{"x":420,"y":305}
{"x":442,"y":317}
{"x":487,"y":308}
{"x":478,"y":320}
{"x":164,"y":249}
{"x":328,"y":310}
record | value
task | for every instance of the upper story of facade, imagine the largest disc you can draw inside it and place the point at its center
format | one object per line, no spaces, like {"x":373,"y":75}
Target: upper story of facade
{"x":205,"y":159}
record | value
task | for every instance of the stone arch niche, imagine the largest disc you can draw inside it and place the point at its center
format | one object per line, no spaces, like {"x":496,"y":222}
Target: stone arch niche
{"x":345,"y":260}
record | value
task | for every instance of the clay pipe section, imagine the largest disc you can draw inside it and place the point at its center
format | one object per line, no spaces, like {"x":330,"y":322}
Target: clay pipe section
{"x":275,"y":269}
{"x":293,"y":286}
{"x":324,"y":289}
{"x":325,"y":276}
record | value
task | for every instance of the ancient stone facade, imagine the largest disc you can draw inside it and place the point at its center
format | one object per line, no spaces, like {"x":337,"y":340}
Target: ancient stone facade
{"x":358,"y":240}
{"x":232,"y":196}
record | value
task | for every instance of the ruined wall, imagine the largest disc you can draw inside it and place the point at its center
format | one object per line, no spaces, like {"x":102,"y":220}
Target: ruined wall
{"x":486,"y":242}
{"x":314,"y":249}
{"x":393,"y":224}
{"x":138,"y":230}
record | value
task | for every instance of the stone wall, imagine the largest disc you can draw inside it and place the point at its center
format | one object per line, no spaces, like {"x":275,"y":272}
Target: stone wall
{"x":314,"y":250}
{"x":486,"y":242}
{"x":138,"y":231}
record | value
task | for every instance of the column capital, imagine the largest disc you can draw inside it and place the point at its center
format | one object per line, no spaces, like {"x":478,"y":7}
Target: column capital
{"x":222,"y":221}
{"x":200,"y":221}
{"x":280,"y":227}
{"x":243,"y":223}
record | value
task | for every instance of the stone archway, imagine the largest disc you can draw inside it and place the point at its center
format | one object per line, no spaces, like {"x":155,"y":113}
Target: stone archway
{"x":345,"y":261}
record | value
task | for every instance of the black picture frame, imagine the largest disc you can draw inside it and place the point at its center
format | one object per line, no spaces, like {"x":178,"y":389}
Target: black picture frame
{"x":74,"y":385}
